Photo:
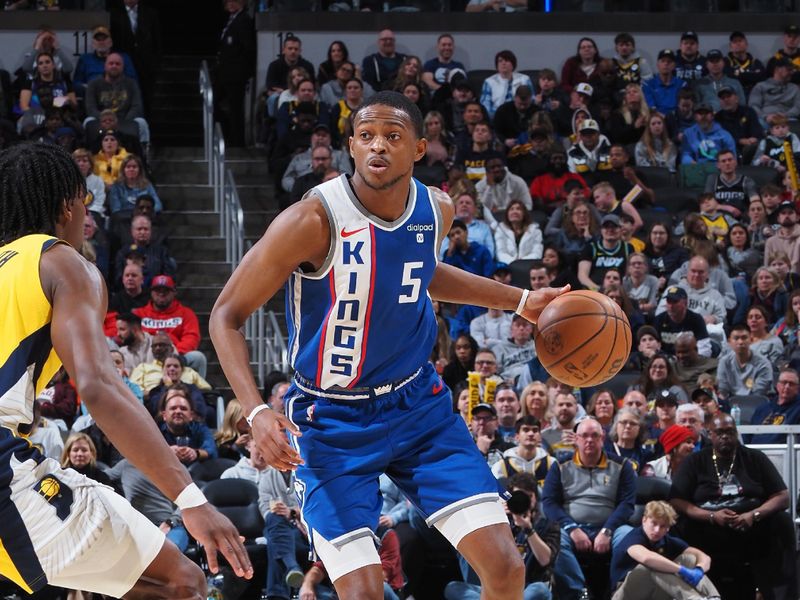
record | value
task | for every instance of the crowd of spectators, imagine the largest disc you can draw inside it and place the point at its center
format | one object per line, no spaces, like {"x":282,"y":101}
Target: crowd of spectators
{"x":552,"y":182}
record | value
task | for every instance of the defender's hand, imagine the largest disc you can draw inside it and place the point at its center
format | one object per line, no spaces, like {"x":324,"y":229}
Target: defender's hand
{"x":538,"y":299}
{"x":269,"y":433}
{"x":216,"y":533}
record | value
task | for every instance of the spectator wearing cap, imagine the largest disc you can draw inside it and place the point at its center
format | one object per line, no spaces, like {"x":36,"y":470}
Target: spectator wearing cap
{"x":515,"y":350}
{"x":741,"y":121}
{"x":436,"y":72}
{"x":777,"y":94}
{"x":500,"y":187}
{"x":690,"y":65}
{"x":677,"y":442}
{"x":647,"y":344}
{"x":512,"y":119}
{"x":579,"y":67}
{"x":581,"y":96}
{"x":741,"y":65}
{"x":661,"y":91}
{"x":630,"y":65}
{"x":91,"y":65}
{"x":665,"y":407}
{"x":501,"y":87}
{"x":783,"y":409}
{"x":705,"y":398}
{"x":742,"y":372}
{"x":677,"y":318}
{"x":165,"y":313}
{"x":689,"y":365}
{"x":301,"y":163}
{"x":707,"y":88}
{"x":603,"y":253}
{"x":790,"y":51}
{"x":703,"y":141}
{"x":785,"y":239}
{"x":108,"y":160}
{"x":703,"y":298}
{"x":484,"y":431}
{"x":590,"y":154}
{"x":463,"y":254}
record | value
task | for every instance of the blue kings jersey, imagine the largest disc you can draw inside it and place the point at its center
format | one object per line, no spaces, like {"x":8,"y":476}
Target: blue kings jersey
{"x":365,"y":317}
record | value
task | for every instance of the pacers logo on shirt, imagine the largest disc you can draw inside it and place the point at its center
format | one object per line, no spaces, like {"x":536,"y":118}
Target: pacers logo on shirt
{"x":55,"y":493}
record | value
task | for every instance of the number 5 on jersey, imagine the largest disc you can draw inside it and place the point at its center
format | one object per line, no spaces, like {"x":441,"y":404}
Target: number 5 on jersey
{"x":414,"y":282}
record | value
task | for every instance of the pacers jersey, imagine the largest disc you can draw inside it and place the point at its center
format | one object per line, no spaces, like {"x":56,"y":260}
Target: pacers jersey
{"x":365,"y":317}
{"x":27,"y":358}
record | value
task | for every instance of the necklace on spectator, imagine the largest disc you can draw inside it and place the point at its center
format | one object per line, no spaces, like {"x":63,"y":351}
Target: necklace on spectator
{"x":720,"y":479}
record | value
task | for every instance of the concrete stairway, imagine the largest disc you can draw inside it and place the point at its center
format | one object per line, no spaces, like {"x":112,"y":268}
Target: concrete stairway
{"x":181,"y":178}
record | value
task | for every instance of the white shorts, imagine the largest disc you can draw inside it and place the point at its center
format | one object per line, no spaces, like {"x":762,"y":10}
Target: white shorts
{"x":360,"y":551}
{"x":66,"y":530}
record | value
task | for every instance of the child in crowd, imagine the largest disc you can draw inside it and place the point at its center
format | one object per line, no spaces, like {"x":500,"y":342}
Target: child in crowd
{"x":771,"y":151}
{"x":717,"y":221}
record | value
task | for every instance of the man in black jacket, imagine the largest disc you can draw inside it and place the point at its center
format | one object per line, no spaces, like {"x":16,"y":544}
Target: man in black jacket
{"x":236,"y":57}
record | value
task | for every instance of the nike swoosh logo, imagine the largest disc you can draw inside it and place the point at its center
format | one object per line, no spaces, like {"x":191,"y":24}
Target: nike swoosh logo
{"x":349,"y":233}
{"x":437,"y":387}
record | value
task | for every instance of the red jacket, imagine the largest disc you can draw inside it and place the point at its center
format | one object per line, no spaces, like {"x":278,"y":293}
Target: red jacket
{"x":179,"y":321}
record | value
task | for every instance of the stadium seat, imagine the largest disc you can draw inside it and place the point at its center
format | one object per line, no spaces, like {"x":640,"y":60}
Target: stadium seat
{"x":656,"y":177}
{"x":520,"y":273}
{"x":694,"y":176}
{"x":675,"y":200}
{"x":748,"y":405}
{"x":761,"y":175}
{"x":209,"y":470}
{"x":620,"y":383}
{"x":433,"y":175}
{"x":647,"y":489}
{"x":475,"y":78}
{"x":657,"y":215}
{"x":533,"y":74}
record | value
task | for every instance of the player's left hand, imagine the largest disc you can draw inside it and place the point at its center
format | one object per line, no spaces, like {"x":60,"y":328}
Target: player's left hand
{"x":216,"y":533}
{"x":538,"y":299}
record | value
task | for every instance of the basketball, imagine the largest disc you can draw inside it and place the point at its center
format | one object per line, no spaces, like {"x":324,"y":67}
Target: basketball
{"x":583,"y":338}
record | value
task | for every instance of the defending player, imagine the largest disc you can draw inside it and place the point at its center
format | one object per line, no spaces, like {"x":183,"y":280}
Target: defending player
{"x":56,"y":526}
{"x":359,"y":255}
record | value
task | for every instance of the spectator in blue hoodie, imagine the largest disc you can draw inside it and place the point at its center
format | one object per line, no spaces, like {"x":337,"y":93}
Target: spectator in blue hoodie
{"x":704,"y":140}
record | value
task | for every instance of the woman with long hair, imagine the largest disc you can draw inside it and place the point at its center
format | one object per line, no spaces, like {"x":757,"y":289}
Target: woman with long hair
{"x":767,"y":290}
{"x":47,"y":88}
{"x":232,"y":437}
{"x":602,"y":406}
{"x":578,"y":228}
{"x":659,"y":375}
{"x":741,"y":257}
{"x":337,"y":54}
{"x":340,"y":113}
{"x":694,"y":229}
{"x":535,"y":402}
{"x":664,"y":254}
{"x":617,"y":293}
{"x":517,"y":236}
{"x":131,"y":183}
{"x":655,"y":148}
{"x":410,"y":71}
{"x":80,"y":454}
{"x":788,"y":327}
{"x":441,"y":147}
{"x":414,"y":92}
{"x":580,"y":67}
{"x":626,"y":438}
{"x":462,"y":360}
{"x":461,"y":400}
{"x":631,"y":119}
{"x":762,"y":340}
{"x":95,"y":188}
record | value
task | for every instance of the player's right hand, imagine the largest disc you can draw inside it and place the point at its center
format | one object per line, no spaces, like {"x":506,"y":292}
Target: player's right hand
{"x":216,"y":533}
{"x":269,"y":432}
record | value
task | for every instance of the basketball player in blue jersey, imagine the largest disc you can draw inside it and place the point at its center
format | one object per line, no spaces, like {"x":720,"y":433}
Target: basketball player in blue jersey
{"x":56,"y":526}
{"x":358,"y":257}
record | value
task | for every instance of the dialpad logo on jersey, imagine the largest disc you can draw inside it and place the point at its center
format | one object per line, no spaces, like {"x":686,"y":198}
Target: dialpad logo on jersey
{"x":56,"y":493}
{"x":419,"y":227}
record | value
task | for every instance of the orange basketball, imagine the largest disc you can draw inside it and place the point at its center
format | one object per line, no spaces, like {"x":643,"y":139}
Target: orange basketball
{"x":583,"y":338}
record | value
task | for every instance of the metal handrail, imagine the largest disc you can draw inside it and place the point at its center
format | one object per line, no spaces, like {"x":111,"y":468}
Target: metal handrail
{"x":232,"y":222}
{"x":792,"y":438}
{"x":217,"y":170}
{"x":272,"y":354}
{"x":207,"y":92}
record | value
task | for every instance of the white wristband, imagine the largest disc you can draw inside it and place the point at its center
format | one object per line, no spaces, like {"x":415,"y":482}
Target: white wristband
{"x":522,"y":302}
{"x":249,"y":418}
{"x":190,"y":497}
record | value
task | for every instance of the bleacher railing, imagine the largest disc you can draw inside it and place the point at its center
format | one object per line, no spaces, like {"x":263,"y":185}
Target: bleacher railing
{"x":783,"y":456}
{"x":261,"y":330}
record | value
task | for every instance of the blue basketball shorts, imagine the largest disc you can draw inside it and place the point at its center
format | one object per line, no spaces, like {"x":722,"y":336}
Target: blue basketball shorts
{"x":409,"y":432}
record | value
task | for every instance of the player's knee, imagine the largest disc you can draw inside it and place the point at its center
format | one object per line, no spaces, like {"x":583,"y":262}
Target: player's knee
{"x":504,"y":567}
{"x":187,"y":580}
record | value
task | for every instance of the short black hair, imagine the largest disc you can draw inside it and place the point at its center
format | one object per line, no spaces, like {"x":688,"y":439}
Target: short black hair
{"x":130,"y":318}
{"x":527,"y":421}
{"x":398,"y":101}
{"x":458,"y":224}
{"x":35,"y":181}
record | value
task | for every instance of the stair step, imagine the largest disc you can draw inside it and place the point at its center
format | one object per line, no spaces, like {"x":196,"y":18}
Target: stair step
{"x":177,"y":196}
{"x":239,"y":167}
